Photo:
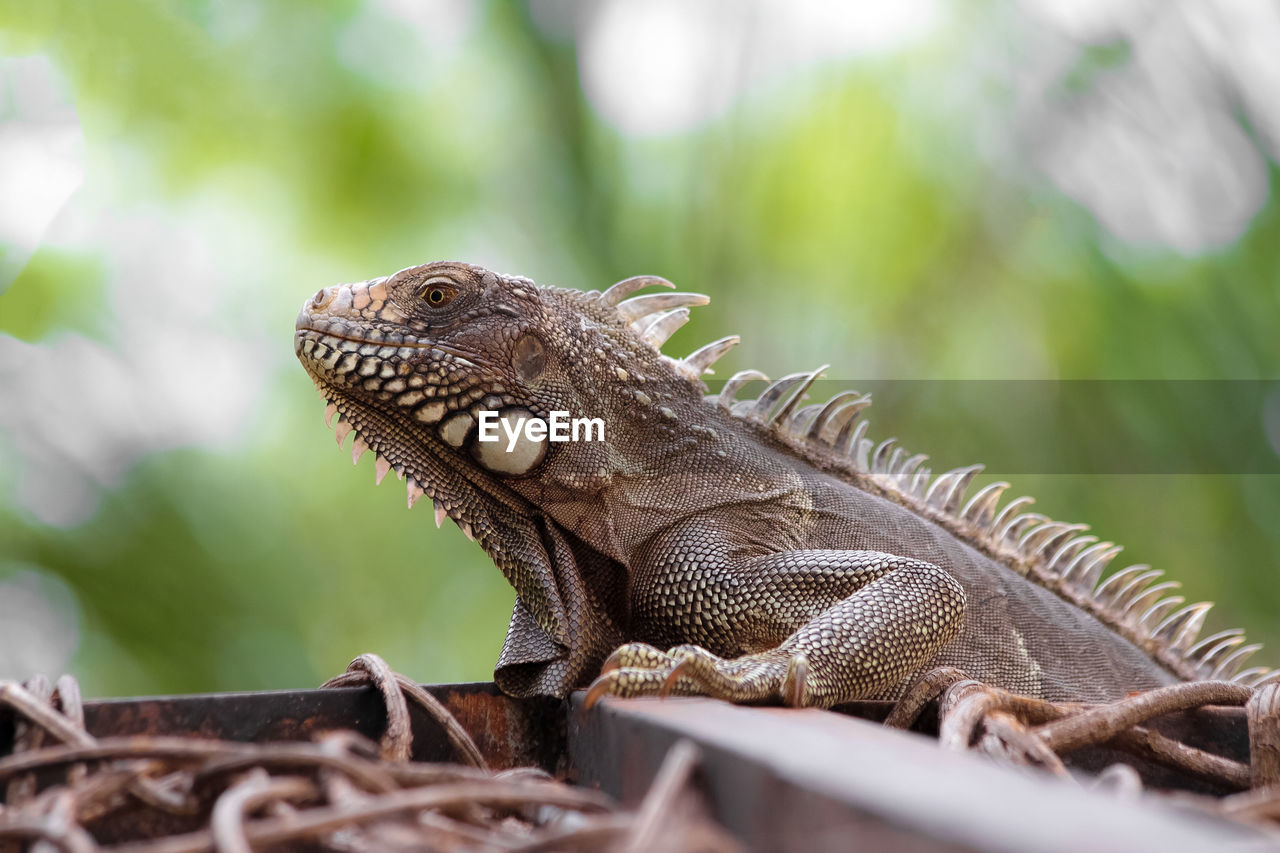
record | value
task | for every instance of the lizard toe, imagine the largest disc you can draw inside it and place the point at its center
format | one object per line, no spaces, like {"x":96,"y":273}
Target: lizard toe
{"x":794,"y":683}
{"x":636,"y":656}
{"x":672,"y":679}
{"x":628,"y":682}
{"x":749,"y":679}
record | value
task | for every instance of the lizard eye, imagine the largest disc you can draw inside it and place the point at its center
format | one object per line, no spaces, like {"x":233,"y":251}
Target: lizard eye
{"x":437,"y":293}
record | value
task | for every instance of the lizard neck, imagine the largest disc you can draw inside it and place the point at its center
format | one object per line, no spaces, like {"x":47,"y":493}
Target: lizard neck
{"x":671,"y":457}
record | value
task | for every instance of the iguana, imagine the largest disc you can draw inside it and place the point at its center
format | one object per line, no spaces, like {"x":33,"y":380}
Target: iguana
{"x":777,"y":550}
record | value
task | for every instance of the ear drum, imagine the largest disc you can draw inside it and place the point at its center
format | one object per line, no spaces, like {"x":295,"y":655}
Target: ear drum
{"x":530,"y":358}
{"x":522,"y":457}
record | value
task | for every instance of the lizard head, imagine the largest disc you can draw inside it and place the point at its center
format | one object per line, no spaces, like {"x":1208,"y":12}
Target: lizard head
{"x":442,"y":368}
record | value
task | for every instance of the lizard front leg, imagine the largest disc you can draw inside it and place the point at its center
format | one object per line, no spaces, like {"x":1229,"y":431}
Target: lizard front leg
{"x":819,"y":627}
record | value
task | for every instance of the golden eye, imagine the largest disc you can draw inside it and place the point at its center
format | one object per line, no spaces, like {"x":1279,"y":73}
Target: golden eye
{"x":436,"y":295}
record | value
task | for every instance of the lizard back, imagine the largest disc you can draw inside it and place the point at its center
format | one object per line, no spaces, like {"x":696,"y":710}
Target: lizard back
{"x":412,"y":362}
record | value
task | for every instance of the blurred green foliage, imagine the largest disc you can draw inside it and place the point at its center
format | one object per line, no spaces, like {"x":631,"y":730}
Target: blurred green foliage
{"x":830,"y":218}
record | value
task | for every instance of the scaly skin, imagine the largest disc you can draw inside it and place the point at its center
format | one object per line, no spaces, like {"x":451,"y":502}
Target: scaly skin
{"x":774,"y":567}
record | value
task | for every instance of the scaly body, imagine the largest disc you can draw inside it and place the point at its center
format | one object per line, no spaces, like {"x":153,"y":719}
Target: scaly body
{"x":778,"y":551}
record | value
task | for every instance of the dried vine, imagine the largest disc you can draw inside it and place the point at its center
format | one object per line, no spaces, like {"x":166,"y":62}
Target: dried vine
{"x":1031,"y":732}
{"x":75,"y":792}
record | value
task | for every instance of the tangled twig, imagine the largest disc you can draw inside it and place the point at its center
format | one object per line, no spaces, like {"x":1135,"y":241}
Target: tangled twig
{"x":396,"y":689}
{"x":1033,"y":732}
{"x":70,"y":790}
{"x":1097,"y":725}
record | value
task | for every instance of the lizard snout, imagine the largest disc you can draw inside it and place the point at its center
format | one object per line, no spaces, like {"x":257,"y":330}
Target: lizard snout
{"x":322,"y":298}
{"x":345,"y":303}
{"x":322,"y":306}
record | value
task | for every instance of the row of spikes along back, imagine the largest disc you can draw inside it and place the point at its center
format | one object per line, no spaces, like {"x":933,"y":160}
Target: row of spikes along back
{"x":1060,"y":556}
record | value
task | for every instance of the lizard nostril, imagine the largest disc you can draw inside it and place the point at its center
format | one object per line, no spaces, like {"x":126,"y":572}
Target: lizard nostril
{"x":322,"y":298}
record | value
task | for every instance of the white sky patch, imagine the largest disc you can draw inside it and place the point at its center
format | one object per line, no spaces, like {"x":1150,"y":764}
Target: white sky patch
{"x":439,"y":23}
{"x":1154,"y":145}
{"x":1088,"y":20}
{"x":189,"y":341}
{"x":87,"y":413}
{"x":38,"y":625}
{"x":660,"y":67}
{"x":41,"y":157}
{"x":1242,"y":36}
{"x":665,"y":66}
{"x":432,"y":30}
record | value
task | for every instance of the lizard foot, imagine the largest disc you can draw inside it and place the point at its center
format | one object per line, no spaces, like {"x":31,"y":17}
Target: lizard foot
{"x":633,"y":669}
{"x":637,"y":656}
{"x":637,"y":669}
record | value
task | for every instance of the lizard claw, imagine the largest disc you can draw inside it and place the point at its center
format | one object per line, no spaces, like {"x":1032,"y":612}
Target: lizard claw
{"x":625,"y":682}
{"x":682,"y":667}
{"x":793,"y":683}
{"x":633,"y":669}
{"x":600,"y":687}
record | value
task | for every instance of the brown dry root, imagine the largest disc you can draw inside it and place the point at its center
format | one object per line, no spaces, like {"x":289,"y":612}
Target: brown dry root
{"x":148,"y":794}
{"x":1030,"y":732}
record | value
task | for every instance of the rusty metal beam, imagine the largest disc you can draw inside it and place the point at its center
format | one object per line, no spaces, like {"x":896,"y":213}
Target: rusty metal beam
{"x":779,"y":779}
{"x":515,"y":732}
{"x":810,"y":780}
{"x":510,"y":732}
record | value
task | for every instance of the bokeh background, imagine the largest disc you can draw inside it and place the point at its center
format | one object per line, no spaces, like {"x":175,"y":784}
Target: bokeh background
{"x":1044,"y":190}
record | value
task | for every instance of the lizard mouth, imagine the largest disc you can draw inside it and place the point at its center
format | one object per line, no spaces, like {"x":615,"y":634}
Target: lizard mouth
{"x":305,"y":331}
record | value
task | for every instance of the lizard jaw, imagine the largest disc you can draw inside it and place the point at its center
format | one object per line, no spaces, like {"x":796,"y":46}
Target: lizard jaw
{"x":414,"y":488}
